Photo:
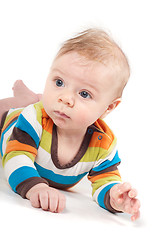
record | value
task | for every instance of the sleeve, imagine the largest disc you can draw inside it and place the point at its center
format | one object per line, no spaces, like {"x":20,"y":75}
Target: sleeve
{"x":104,"y":175}
{"x":21,"y":150}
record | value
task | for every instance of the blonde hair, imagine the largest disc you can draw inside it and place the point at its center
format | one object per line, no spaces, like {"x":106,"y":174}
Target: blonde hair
{"x":96,"y":45}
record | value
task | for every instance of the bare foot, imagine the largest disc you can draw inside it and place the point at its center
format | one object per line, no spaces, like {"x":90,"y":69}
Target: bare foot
{"x":20,"y":90}
{"x":39,"y":96}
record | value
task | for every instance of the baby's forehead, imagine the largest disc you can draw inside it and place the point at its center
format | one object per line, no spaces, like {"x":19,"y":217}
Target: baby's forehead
{"x":74,"y":62}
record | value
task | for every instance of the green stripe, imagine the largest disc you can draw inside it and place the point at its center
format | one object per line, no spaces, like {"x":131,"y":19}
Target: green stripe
{"x":95,"y":153}
{"x":38,"y":107}
{"x":100,"y":182}
{"x":12,"y":114}
{"x":8,"y":156}
{"x":46,"y":140}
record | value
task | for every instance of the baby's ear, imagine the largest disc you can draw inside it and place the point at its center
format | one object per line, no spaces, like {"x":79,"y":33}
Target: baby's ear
{"x":111,"y":107}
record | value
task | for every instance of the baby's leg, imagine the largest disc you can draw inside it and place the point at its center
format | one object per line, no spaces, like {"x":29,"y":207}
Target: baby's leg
{"x":21,"y":90}
{"x":23,"y":96}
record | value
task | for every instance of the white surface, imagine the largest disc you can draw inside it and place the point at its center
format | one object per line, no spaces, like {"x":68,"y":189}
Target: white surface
{"x":30,"y":33}
{"x":82,"y":217}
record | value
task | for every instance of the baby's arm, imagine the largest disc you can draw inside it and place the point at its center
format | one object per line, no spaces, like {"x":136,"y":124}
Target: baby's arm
{"x":41,"y":195}
{"x":123,"y":198}
{"x":18,"y":162}
{"x":109,"y":192}
{"x":103,"y":177}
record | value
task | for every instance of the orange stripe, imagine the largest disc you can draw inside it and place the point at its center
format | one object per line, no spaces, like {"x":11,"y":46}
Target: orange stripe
{"x":17,"y":146}
{"x":8,"y":122}
{"x":103,"y":140}
{"x":47,"y":122}
{"x":103,"y":175}
{"x":100,"y":140}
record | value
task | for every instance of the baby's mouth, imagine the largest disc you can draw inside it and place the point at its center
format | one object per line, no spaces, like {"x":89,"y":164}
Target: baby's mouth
{"x":61,"y":114}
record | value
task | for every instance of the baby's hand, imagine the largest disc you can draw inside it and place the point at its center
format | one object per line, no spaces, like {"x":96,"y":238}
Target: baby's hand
{"x":123,"y":198}
{"x":41,"y":195}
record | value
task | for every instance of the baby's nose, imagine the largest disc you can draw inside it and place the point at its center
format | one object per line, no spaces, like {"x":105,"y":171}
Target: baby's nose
{"x":66,"y":99}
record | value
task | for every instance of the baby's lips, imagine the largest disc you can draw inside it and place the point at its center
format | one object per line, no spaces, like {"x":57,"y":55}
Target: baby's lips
{"x":61,"y":114}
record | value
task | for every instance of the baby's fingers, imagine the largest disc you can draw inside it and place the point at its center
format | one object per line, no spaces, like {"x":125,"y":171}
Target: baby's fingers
{"x":135,"y":216}
{"x":53,"y":201}
{"x":123,"y":188}
{"x":61,"y":203}
{"x":118,"y":190}
{"x":57,"y":201}
{"x":35,"y":200}
{"x":44,"y":200}
{"x":135,"y":205}
{"x":132,"y":193}
{"x":132,"y":207}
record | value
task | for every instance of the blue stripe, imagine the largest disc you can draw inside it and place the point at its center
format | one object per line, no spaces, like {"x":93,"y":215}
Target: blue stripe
{"x":101,"y":195}
{"x":108,"y":163}
{"x":25,"y":126}
{"x":2,"y":136}
{"x":57,"y":177}
{"x":20,"y":175}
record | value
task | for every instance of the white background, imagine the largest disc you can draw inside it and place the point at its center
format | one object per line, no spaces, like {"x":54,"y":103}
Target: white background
{"x":30,"y":34}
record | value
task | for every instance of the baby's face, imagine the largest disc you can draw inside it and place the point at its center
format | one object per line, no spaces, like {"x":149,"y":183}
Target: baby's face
{"x":77,"y":91}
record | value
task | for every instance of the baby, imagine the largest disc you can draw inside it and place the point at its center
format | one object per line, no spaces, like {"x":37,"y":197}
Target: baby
{"x":52,"y":141}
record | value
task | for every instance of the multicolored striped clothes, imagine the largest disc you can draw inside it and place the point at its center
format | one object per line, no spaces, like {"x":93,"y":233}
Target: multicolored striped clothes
{"x":28,"y":147}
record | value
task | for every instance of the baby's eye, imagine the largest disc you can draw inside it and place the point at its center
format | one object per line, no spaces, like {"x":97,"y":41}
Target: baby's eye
{"x":59,"y":83}
{"x":85,"y":94}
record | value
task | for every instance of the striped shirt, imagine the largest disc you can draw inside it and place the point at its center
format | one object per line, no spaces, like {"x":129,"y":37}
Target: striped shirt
{"x":28,"y":148}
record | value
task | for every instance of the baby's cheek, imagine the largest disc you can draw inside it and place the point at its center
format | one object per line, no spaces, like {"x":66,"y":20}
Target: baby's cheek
{"x":85,"y":114}
{"x":84,"y":119}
